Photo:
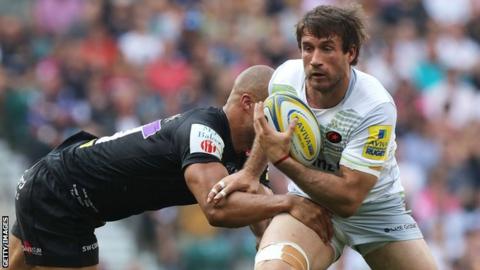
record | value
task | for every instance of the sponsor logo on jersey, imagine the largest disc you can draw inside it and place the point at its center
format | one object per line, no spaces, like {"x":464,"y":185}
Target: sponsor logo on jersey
{"x":323,"y":165}
{"x":91,"y":247}
{"x":377,"y":142}
{"x":204,"y":139}
{"x":401,"y":228}
{"x":333,"y":137}
{"x":81,"y":195}
{"x":28,"y":248}
{"x":208,"y":146}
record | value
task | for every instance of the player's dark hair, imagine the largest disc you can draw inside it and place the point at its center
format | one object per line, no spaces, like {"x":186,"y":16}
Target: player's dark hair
{"x":327,"y":21}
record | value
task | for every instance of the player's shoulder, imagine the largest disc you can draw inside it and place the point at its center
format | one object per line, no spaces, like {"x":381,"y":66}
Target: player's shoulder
{"x":211,"y":117}
{"x":197,"y":126}
{"x":289,"y":77}
{"x":367,"y":93}
{"x":290,"y":69}
{"x":291,"y":64}
{"x":208,"y":131}
{"x":207,"y":114}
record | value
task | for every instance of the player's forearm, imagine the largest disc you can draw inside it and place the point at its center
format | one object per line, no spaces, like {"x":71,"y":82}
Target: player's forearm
{"x":256,"y":162}
{"x":242,"y":209}
{"x":331,"y":191}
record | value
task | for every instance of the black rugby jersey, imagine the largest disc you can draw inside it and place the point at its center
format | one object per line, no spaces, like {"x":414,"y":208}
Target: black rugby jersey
{"x":143,"y":168}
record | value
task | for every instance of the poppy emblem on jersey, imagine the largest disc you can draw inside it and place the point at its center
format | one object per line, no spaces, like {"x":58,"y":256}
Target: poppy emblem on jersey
{"x":208,"y":146}
{"x":333,"y":137}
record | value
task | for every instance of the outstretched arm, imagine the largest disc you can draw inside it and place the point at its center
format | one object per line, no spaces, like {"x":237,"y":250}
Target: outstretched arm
{"x":241,"y":208}
{"x":244,"y":180}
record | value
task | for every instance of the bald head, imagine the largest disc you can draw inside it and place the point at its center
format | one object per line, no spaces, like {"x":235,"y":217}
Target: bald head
{"x":253,"y":81}
{"x":250,"y":86}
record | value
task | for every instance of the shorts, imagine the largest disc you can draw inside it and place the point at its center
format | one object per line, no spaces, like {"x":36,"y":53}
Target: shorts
{"x":52,"y":227}
{"x":374,"y":225}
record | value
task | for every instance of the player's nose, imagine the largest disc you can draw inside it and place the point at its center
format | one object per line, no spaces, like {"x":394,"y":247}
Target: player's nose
{"x":316,"y":58}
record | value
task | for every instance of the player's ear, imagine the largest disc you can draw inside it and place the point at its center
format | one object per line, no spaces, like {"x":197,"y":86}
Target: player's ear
{"x":352,"y":53}
{"x":247,"y":102}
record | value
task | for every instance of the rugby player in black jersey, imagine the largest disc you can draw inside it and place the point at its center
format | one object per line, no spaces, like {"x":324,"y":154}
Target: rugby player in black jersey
{"x":87,"y":181}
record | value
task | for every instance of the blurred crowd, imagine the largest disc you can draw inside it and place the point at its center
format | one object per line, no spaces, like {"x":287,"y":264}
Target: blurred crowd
{"x":110,"y":65}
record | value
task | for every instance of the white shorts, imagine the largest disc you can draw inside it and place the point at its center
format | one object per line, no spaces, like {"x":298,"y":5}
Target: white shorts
{"x":374,"y":225}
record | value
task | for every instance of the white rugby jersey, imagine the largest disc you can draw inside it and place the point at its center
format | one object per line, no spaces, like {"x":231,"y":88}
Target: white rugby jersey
{"x":359,"y":132}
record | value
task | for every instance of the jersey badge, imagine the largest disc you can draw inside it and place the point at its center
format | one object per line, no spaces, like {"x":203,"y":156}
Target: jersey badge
{"x":377,"y":142}
{"x":333,"y":137}
{"x":151,"y":128}
{"x":204,"y":139}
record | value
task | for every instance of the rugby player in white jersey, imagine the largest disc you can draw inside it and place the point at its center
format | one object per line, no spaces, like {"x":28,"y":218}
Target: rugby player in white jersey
{"x":356,"y":176}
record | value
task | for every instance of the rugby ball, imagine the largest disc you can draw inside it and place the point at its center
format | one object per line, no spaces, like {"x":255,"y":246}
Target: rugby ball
{"x":280,"y":109}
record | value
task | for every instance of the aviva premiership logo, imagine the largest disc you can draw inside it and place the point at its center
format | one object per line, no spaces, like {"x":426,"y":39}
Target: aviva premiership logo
{"x":305,"y":136}
{"x":377,"y":142}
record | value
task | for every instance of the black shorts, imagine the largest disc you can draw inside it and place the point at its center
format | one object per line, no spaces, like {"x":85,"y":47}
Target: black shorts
{"x":53,"y":228}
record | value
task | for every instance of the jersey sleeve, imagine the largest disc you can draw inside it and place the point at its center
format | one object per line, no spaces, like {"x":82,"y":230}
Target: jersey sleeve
{"x":199,"y":143}
{"x":373,"y":143}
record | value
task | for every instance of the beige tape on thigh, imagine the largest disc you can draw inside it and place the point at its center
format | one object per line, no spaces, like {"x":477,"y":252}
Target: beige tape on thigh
{"x":288,"y":252}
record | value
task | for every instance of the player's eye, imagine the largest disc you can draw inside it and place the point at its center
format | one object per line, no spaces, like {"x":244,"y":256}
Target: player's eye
{"x":307,"y":48}
{"x":327,"y":48}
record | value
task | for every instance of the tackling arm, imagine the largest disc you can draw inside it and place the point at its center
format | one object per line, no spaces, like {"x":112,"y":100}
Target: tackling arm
{"x":256,"y":162}
{"x":242,"y":208}
{"x":244,"y":180}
